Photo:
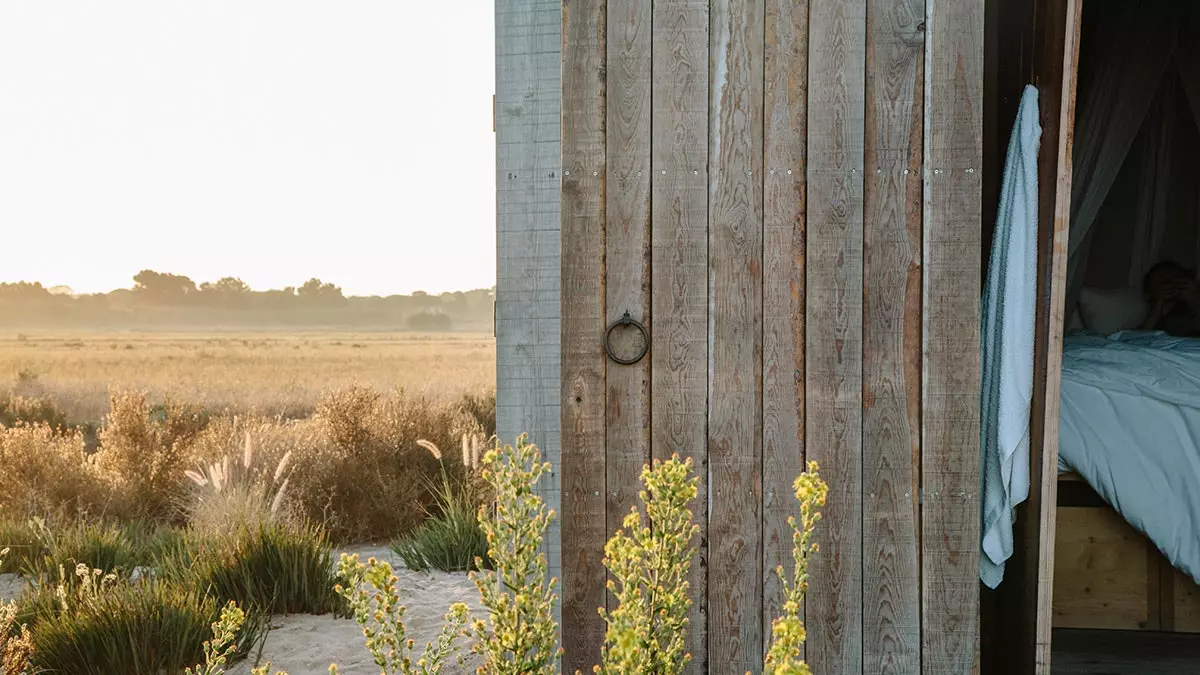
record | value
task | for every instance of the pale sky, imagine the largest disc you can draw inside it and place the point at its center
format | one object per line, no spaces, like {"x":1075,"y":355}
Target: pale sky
{"x":272,"y":140}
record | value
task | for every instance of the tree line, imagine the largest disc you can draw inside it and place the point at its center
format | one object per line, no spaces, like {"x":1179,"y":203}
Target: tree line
{"x":158,"y":294}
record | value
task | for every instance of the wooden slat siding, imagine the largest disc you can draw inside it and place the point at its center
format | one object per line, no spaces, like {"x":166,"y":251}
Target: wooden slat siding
{"x":627,"y":248}
{"x":528,"y":266}
{"x":892,"y":337}
{"x":583,"y":226}
{"x":1056,"y":64}
{"x":735,"y":223}
{"x":950,"y":471}
{"x":833,"y":353}
{"x":679,"y":295}
{"x":785,"y":62}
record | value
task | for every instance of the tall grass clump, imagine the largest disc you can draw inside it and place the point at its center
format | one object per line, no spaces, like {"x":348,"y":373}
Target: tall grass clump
{"x":451,"y":539}
{"x":47,"y":472}
{"x":144,"y":451}
{"x":520,"y":636}
{"x":21,"y":541}
{"x":230,"y":493}
{"x":371,"y":591}
{"x":787,"y":631}
{"x":263,"y":566}
{"x":109,"y":626}
{"x":103,"y":546}
{"x":648,"y":563}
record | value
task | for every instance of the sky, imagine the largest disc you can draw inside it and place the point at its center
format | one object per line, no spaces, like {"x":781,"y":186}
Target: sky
{"x":271,"y":140}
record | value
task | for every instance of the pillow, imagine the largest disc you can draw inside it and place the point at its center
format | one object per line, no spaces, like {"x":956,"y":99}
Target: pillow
{"x":1111,"y":310}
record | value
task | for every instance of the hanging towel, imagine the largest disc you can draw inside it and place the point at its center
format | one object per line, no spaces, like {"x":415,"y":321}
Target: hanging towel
{"x":1006,"y":332}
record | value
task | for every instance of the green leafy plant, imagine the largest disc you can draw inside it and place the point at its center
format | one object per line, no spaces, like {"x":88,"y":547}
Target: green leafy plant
{"x":451,"y":539}
{"x":371,"y":591}
{"x":520,"y":636}
{"x":787,"y":631}
{"x":648,"y":563}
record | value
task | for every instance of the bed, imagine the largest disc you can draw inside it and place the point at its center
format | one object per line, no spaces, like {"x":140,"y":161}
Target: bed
{"x":1129,"y":436}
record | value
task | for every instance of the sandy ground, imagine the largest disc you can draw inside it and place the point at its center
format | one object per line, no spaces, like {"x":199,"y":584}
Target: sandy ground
{"x":306,"y":645}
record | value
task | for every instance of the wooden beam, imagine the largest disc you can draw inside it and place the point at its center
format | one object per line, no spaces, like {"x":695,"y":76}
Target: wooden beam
{"x":892,"y":336}
{"x":528,"y":260}
{"x":833,"y":327}
{"x":735,"y":223}
{"x":950,"y":471}
{"x":679,"y":296}
{"x":585,"y":173}
{"x":785,"y":61}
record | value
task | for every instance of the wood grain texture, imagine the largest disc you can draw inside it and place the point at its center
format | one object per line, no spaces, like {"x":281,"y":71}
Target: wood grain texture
{"x":627,"y":248}
{"x":950,"y":472}
{"x":735,"y":222}
{"x":528,"y":228}
{"x":583,"y":227}
{"x":833,"y":353}
{"x":892,"y":337}
{"x":1103,"y":572}
{"x":679,"y":296}
{"x":785,"y":111}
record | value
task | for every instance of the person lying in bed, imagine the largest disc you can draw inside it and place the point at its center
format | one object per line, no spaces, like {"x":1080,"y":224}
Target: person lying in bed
{"x":1174,"y":298}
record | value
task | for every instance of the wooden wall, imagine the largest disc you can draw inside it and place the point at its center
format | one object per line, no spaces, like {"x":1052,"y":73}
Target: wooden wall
{"x":787,"y":194}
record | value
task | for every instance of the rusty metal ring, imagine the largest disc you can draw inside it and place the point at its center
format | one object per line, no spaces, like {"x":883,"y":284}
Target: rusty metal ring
{"x":626,"y":320}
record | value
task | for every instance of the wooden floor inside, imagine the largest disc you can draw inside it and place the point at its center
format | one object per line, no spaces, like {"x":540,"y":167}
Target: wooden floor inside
{"x":1102,"y":652}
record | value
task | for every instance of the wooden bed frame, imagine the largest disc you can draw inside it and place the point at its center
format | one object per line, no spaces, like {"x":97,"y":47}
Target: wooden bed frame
{"x":1108,"y":575}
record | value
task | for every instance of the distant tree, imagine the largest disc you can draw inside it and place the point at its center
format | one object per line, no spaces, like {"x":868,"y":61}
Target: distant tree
{"x":314,"y":292}
{"x":24,"y":292}
{"x":226,"y":292}
{"x":161,"y":287}
{"x":430,"y":321}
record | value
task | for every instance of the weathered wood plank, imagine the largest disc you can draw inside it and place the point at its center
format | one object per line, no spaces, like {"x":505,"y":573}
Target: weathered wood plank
{"x":785,"y":62}
{"x":679,"y":296}
{"x":950,"y":387}
{"x":528,"y":271}
{"x":833,"y":354}
{"x":735,"y":150}
{"x":892,"y":337}
{"x":583,"y":226}
{"x":627,"y":249}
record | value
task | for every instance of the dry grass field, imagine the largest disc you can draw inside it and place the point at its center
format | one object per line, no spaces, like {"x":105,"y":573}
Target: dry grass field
{"x":266,"y":373}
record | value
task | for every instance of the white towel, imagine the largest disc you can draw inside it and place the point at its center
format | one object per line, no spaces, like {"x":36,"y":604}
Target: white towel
{"x":1009,"y":306}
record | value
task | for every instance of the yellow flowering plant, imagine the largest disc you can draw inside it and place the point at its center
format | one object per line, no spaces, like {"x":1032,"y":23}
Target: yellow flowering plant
{"x":371,"y":589}
{"x":648,"y":563}
{"x":520,"y":636}
{"x":787,"y":631}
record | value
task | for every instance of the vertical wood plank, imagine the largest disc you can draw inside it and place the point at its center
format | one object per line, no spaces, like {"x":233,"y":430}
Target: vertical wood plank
{"x":583,"y":226}
{"x":892,"y":336}
{"x":679,"y":233}
{"x":785,"y":62}
{"x":627,"y":248}
{"x":735,"y":150}
{"x":837,"y":65}
{"x":950,"y":392}
{"x":528,"y":228}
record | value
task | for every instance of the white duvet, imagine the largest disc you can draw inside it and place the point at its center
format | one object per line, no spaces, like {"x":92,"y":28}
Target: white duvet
{"x":1130,"y":426}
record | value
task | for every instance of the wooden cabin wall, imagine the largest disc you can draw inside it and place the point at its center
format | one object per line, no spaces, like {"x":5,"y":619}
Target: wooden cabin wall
{"x":787,"y":194}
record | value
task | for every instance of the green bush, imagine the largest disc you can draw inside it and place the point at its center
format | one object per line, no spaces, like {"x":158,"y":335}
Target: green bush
{"x":23,"y":544}
{"x":133,"y":629}
{"x":266,"y":566}
{"x":106,"y":547}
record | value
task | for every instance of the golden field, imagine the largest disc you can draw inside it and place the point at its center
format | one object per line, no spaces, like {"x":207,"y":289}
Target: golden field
{"x":264,"y":373}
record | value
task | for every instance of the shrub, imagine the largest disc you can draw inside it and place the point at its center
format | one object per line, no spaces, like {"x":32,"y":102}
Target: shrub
{"x":520,"y":636}
{"x":33,"y":410}
{"x":135,"y":629}
{"x":264,"y":566}
{"x":47,"y":473}
{"x":451,"y":539}
{"x":144,"y":452}
{"x":648,"y":567}
{"x":482,"y":408}
{"x":381,"y":616}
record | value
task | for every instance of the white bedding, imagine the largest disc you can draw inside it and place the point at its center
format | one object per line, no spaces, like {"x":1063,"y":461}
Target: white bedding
{"x":1130,"y":426}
